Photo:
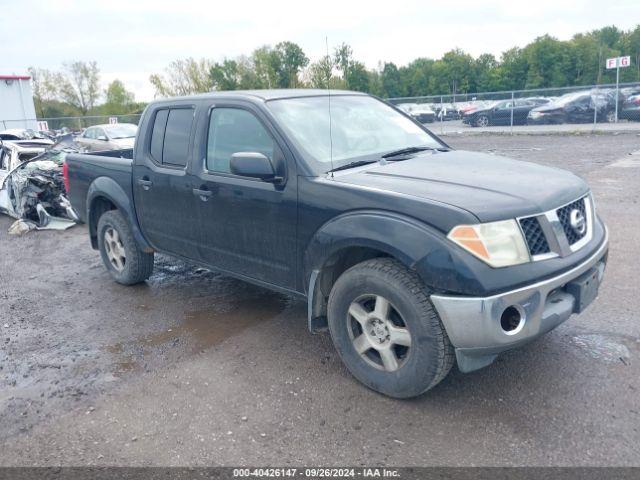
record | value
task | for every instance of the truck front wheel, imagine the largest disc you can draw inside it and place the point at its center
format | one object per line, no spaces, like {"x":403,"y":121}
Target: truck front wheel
{"x":122,"y":256}
{"x":386,"y":330}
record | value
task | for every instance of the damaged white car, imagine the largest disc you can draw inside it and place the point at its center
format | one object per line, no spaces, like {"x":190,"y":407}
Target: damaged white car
{"x":32,"y":188}
{"x":15,"y":152}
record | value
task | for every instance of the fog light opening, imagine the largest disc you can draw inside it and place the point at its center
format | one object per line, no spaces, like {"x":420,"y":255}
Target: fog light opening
{"x":512,"y":320}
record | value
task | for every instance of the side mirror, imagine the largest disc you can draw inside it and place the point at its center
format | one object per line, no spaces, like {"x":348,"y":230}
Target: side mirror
{"x":254,"y":165}
{"x":103,"y":138}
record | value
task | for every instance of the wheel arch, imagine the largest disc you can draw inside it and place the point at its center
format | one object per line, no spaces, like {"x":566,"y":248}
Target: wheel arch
{"x":334,"y":249}
{"x":105,"y":194}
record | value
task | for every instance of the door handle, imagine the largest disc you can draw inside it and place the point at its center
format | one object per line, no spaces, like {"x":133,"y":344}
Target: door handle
{"x":203,"y":194}
{"x":146,"y":184}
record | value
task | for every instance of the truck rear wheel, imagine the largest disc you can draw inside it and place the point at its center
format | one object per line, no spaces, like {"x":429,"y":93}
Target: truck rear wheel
{"x":122,"y":256}
{"x":386,"y":330}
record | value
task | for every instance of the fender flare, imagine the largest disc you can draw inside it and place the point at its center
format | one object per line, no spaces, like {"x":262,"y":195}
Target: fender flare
{"x":414,"y":243}
{"x":105,"y":187}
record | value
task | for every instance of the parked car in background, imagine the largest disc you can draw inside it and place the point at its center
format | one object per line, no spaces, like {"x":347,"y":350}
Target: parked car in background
{"x":538,"y":101}
{"x":577,"y":107}
{"x":631,"y":109}
{"x":499,"y":113}
{"x":422,"y":112}
{"x":116,"y":136}
{"x":473,"y":105}
{"x":19,"y":134}
{"x":446,"y":111}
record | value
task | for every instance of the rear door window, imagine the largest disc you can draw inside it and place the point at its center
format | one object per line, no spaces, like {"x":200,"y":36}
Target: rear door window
{"x":176,"y":137}
{"x":157,"y":135}
{"x":170,"y":136}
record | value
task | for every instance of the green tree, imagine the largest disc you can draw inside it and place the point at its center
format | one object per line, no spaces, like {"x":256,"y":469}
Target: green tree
{"x":118,"y":100}
{"x":320,"y":74}
{"x":80,"y":85}
{"x":225,"y":75}
{"x":46,"y":90}
{"x":513,"y":69}
{"x":183,"y":77}
{"x":354,"y":73}
{"x":290,"y":62}
{"x":391,"y":81}
{"x":459,"y":71}
{"x":487,"y":74}
{"x":550,"y":63}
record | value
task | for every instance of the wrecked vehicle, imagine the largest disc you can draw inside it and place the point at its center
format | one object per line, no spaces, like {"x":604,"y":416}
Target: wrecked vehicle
{"x":413,"y":255}
{"x":15,"y":152}
{"x":32,"y":189}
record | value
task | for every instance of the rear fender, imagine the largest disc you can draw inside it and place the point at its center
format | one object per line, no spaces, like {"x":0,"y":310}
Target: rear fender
{"x":108,"y":189}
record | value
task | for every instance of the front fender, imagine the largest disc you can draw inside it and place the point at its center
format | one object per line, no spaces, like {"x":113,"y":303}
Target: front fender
{"x":412,"y":242}
{"x":109,"y":189}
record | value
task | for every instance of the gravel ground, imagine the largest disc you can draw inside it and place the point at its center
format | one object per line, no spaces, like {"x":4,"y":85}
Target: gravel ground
{"x":193,"y":368}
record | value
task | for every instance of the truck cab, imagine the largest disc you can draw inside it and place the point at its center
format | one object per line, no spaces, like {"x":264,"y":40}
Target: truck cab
{"x":412,"y":255}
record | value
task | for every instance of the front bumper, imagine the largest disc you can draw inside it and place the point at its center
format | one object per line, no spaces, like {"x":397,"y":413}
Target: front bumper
{"x":473,"y":324}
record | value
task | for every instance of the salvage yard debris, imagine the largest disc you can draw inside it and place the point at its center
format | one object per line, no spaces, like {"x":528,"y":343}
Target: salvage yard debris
{"x":34,"y":193}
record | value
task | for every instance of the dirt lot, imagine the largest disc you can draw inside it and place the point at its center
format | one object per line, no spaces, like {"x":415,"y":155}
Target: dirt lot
{"x":193,"y":368}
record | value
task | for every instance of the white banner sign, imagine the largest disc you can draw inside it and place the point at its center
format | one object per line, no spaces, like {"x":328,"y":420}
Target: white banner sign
{"x":113,"y":120}
{"x":618,"y":62}
{"x":43,"y":126}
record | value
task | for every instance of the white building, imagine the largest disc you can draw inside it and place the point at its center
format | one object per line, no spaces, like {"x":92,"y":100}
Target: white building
{"x":16,"y":102}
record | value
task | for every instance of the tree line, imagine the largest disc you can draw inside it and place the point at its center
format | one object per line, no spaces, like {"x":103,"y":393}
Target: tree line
{"x":546,"y":62}
{"x":75,"y":90}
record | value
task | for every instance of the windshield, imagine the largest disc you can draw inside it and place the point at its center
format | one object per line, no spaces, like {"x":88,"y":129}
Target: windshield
{"x":569,"y":97}
{"x":361,"y":126}
{"x":123,"y":130}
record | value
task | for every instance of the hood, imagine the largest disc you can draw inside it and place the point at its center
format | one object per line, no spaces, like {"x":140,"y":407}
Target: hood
{"x":124,"y":142}
{"x":489,"y":186}
{"x":421,"y":111}
{"x":549,"y":107}
{"x":473,"y":111}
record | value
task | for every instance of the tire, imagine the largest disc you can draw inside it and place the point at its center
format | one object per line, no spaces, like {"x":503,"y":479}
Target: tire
{"x":420,"y":365}
{"x":610,"y":117}
{"x":482,"y":121}
{"x":120,"y":253}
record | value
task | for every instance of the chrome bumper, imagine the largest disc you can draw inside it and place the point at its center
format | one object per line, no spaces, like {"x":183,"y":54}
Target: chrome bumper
{"x":473,"y":323}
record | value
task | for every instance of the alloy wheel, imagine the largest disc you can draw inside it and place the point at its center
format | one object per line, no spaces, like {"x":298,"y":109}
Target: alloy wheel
{"x":115,"y":249}
{"x":378,"y":332}
{"x":483,"y":121}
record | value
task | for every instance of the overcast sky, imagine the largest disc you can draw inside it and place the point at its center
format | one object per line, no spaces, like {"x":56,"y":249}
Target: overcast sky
{"x":132,"y":39}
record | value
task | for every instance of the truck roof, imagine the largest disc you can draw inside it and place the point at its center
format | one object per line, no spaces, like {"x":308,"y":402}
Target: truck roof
{"x":271,"y":94}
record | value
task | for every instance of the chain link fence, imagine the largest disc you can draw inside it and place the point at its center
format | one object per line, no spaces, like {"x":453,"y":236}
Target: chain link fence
{"x":73,"y":124}
{"x":579,"y":108}
{"x":567,"y":109}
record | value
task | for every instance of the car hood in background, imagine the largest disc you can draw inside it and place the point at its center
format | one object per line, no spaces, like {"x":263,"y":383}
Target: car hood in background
{"x":489,"y":186}
{"x":123,"y":142}
{"x":549,"y":107}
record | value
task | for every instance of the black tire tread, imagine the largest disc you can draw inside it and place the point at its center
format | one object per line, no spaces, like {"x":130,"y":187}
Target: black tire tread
{"x":408,"y":280}
{"x":139,"y":263}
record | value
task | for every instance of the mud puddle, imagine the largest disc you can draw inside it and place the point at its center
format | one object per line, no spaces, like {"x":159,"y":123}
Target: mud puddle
{"x":605,"y":347}
{"x":199,"y":329}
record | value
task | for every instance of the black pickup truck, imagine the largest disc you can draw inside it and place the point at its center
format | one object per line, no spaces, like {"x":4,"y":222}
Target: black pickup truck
{"x":414,"y":255}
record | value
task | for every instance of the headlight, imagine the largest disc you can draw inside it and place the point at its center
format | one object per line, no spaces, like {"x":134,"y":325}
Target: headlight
{"x":499,"y":244}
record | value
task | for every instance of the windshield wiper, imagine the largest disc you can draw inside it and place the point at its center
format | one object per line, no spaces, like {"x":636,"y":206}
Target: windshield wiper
{"x":405,"y":151}
{"x":359,"y":163}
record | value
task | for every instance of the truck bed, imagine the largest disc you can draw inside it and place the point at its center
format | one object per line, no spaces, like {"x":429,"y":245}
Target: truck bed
{"x":85,"y":168}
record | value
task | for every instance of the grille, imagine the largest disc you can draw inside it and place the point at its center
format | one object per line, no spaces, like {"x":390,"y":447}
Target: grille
{"x":564,"y":215}
{"x":534,"y":236}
